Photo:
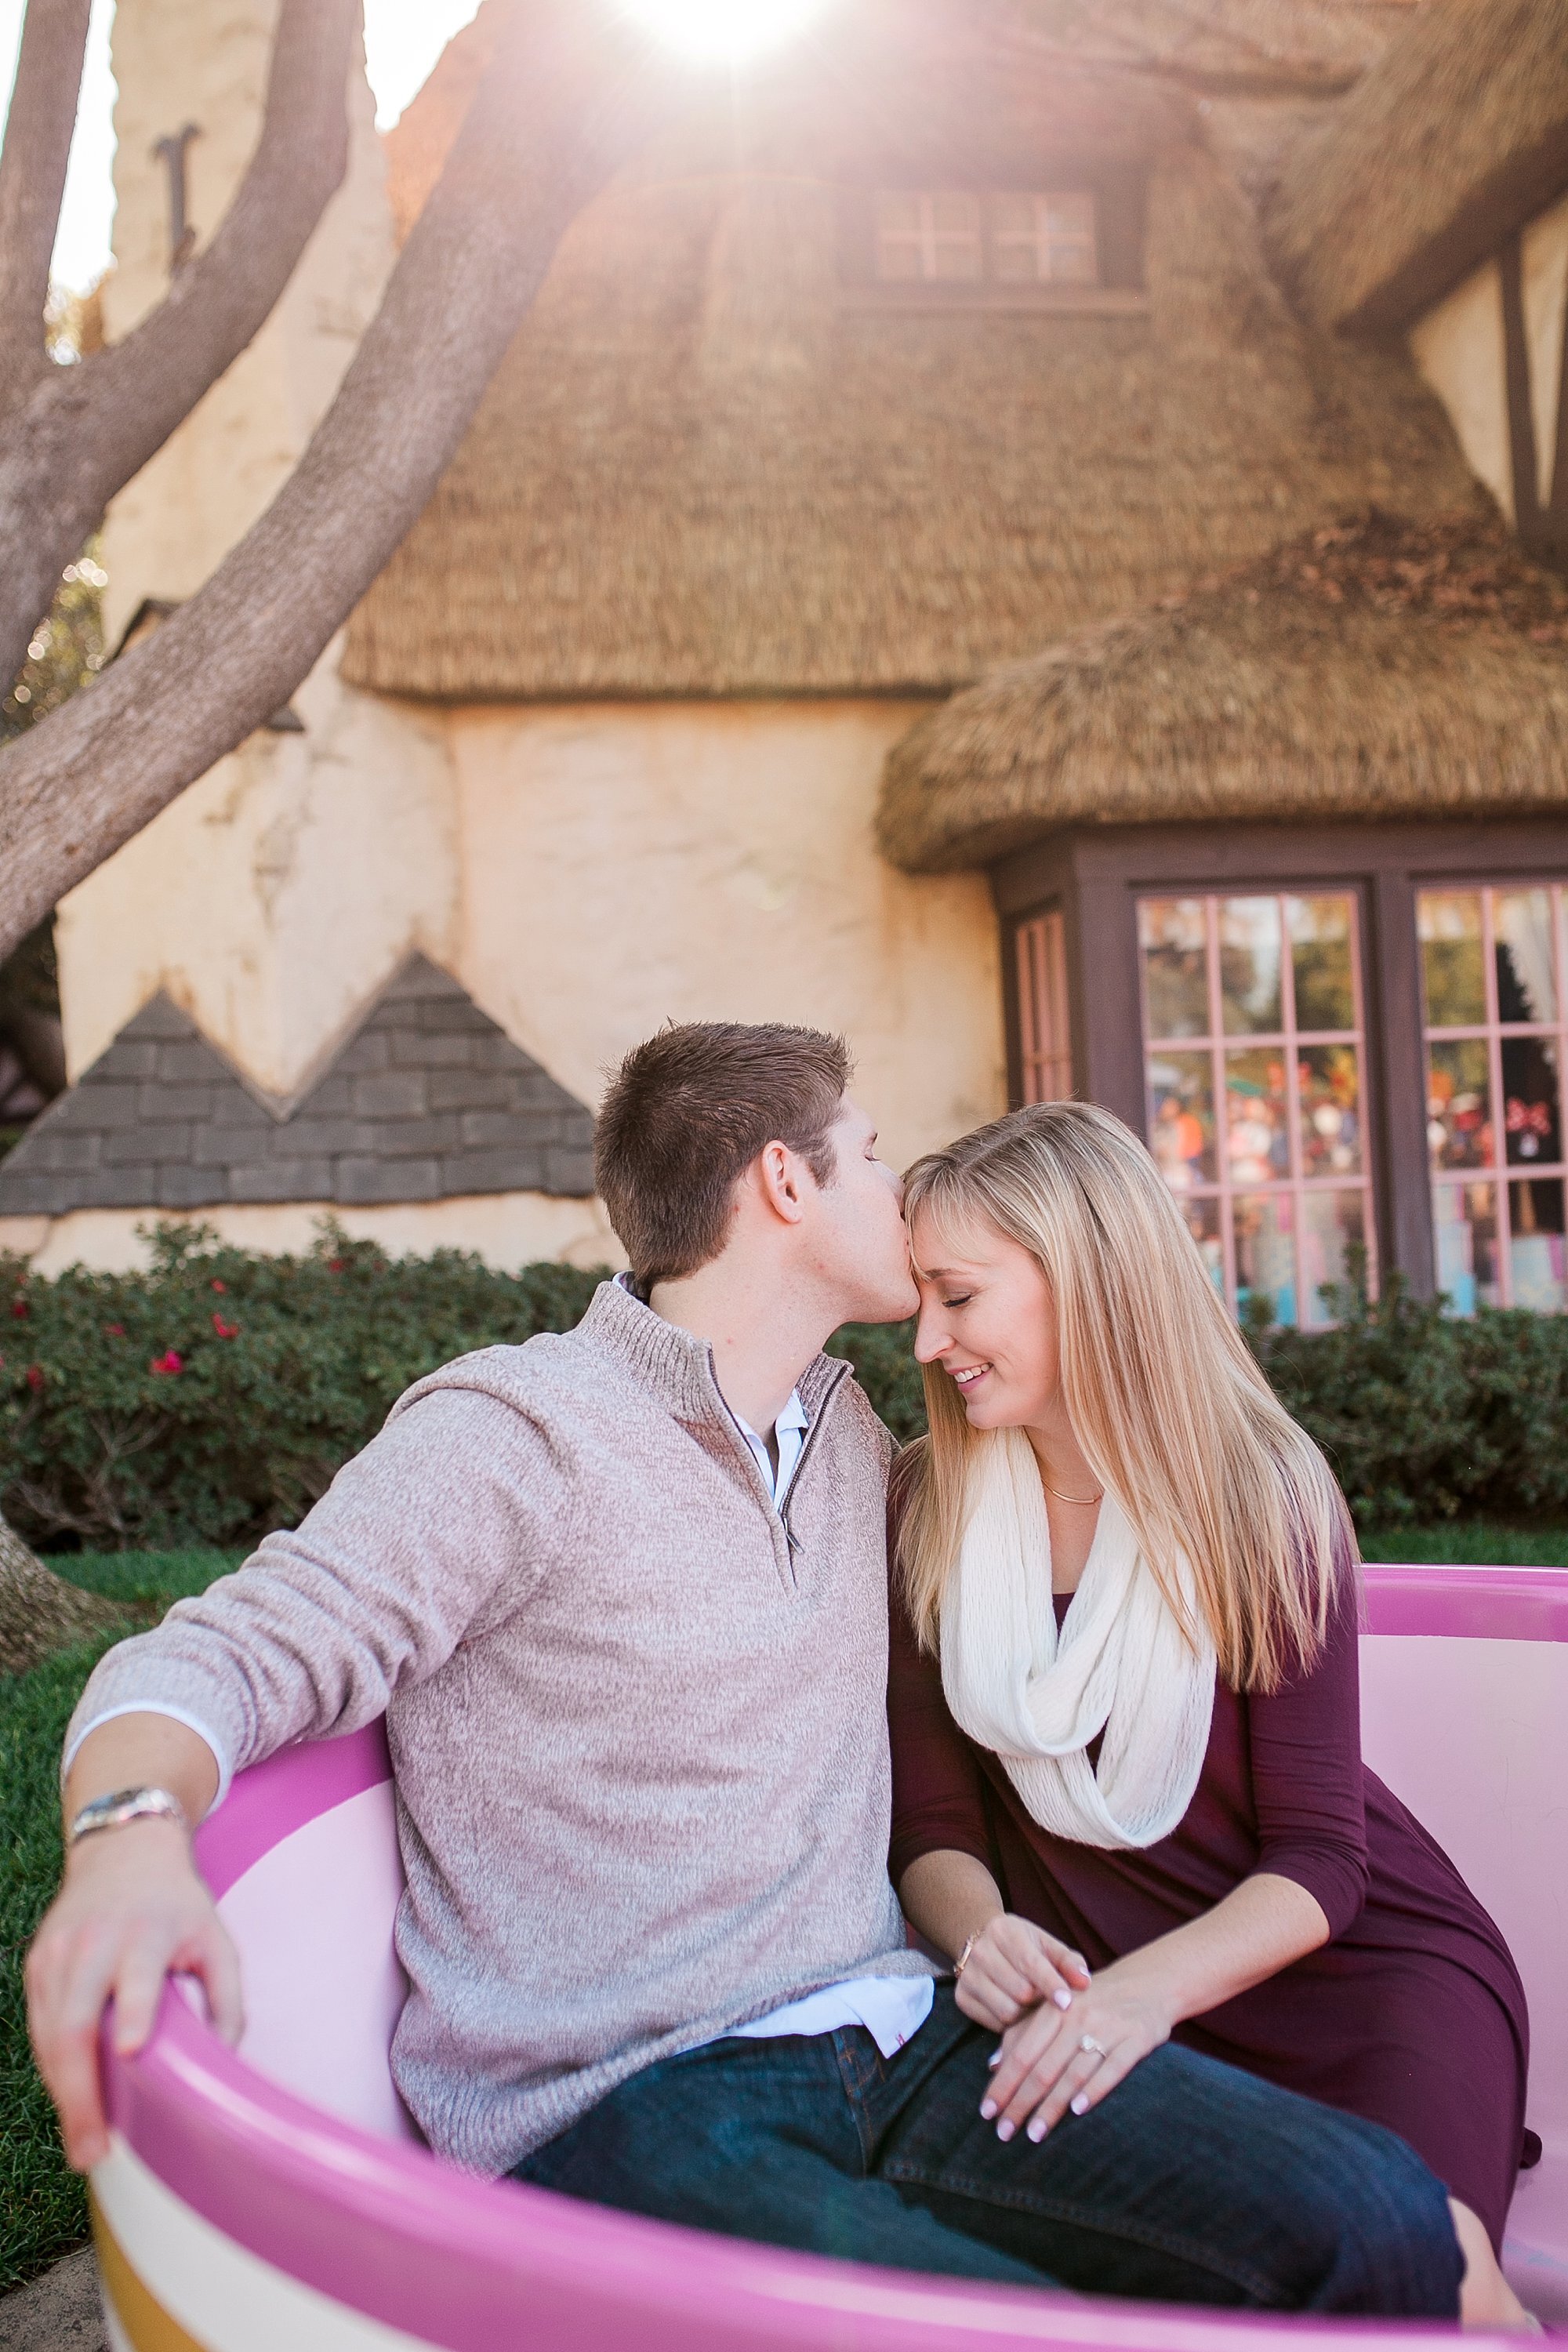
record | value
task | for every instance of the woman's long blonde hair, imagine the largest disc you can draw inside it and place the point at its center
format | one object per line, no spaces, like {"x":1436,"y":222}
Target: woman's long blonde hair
{"x":1172,"y":1416}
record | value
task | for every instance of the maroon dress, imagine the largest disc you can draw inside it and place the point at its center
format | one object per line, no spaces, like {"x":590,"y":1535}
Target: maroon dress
{"x":1412,"y":2014}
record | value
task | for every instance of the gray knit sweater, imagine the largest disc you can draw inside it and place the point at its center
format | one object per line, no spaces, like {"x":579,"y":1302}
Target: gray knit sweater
{"x":637,"y":1719}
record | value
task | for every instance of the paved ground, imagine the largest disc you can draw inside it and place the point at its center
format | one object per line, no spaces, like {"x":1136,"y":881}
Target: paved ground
{"x":58,"y":2313}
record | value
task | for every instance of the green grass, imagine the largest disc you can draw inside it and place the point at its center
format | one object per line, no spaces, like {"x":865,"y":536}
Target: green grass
{"x":43,"y":2207}
{"x":144,"y":1580}
{"x":1459,"y":1543}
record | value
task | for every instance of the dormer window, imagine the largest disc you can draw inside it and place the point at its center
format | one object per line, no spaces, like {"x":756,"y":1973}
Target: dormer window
{"x":1013,"y":237}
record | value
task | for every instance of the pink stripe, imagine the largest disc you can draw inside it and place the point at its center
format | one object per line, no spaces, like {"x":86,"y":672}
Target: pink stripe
{"x":1482,"y":1604}
{"x":273,"y":1800}
{"x":471,"y":2265}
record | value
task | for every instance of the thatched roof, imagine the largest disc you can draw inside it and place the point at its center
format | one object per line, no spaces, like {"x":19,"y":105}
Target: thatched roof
{"x":1373,"y":668}
{"x":1457,"y":137}
{"x":708,"y":467}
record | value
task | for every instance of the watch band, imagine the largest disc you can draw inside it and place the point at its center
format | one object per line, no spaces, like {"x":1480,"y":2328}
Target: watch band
{"x":112,"y":1812}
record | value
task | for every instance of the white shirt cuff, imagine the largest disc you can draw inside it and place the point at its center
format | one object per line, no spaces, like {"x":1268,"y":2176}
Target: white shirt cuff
{"x":179,"y":1715}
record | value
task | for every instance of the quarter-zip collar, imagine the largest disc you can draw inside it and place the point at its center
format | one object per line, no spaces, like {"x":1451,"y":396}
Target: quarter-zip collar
{"x":678,"y":1368}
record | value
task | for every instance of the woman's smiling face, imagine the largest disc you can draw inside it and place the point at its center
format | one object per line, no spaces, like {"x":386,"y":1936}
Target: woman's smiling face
{"x":987,"y":1319}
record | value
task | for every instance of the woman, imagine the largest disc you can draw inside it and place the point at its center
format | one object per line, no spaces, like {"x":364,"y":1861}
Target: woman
{"x":1128,"y":1796}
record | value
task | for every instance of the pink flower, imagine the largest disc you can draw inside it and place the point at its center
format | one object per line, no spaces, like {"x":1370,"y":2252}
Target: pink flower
{"x":34,"y":1377}
{"x":334,"y":1266}
{"x":115,"y":1330}
{"x":169,"y":1361}
{"x":20,"y":1309}
{"x":217,"y":1285}
{"x":225,"y":1330}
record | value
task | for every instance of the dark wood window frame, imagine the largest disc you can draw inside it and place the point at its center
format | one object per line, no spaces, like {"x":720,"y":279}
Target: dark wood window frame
{"x":1097,"y":874}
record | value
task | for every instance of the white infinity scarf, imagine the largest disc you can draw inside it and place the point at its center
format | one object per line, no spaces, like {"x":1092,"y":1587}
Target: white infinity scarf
{"x":1121,"y":1663}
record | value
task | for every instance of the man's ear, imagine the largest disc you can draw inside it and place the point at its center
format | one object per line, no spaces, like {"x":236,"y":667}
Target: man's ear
{"x":779,"y":1175}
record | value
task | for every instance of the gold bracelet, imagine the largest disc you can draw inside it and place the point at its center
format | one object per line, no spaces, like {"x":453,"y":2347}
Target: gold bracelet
{"x":962,"y":1960}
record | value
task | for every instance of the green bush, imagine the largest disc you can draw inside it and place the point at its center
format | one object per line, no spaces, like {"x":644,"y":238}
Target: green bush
{"x":213,"y":1399}
{"x":1427,"y":1417}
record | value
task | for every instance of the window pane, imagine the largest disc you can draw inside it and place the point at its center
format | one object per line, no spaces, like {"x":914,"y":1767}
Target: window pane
{"x":1464,"y":1226}
{"x":1449,"y":923}
{"x":1015,"y":216}
{"x":1018,"y":261}
{"x":1249,"y":965}
{"x":1333,"y":1224}
{"x":954,"y":212}
{"x":900,"y":260}
{"x":1320,"y":957}
{"x":1265,"y":1253}
{"x":1181,"y":1119}
{"x":1071,"y":257}
{"x":1535,"y":1249}
{"x":897,"y":213}
{"x":1526,"y":979}
{"x":1172,"y":934}
{"x":1258,"y":1136}
{"x":1329,"y":1081}
{"x":1202,"y":1216}
{"x":1533,"y":1123}
{"x":1458,"y":1104}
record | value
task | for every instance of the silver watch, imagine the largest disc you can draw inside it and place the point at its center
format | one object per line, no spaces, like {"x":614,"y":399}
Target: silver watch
{"x":125,"y":1805}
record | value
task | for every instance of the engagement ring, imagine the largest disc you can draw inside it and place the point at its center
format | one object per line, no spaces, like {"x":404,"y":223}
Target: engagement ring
{"x":1085,"y":2042}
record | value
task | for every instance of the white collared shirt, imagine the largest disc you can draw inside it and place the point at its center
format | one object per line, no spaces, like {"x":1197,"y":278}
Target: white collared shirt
{"x":891,"y":2009}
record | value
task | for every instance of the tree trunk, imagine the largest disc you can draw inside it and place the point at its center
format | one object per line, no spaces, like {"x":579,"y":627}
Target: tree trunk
{"x":38,"y":1610}
{"x":573,"y":91}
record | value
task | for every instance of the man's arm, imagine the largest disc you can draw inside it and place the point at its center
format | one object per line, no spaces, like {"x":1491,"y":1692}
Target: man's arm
{"x":132,"y":1909}
{"x":444,"y":1523}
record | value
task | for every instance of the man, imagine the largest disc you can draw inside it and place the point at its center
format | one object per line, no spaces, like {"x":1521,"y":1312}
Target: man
{"x":622,"y":1595}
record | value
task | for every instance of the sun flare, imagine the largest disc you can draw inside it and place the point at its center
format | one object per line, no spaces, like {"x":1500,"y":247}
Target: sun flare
{"x":729,"y":32}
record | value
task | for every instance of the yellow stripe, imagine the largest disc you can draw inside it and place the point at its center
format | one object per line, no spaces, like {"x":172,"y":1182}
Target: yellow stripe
{"x":143,"y":2318}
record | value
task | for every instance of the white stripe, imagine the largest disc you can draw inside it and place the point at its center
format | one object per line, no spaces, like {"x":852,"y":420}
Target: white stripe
{"x":223,"y":2294}
{"x":156,"y":1706}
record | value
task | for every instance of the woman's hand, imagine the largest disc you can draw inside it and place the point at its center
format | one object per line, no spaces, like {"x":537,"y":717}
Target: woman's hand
{"x":1013,"y":1966}
{"x":1053,"y":2058}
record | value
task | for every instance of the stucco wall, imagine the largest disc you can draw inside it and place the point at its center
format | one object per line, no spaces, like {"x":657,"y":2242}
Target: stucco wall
{"x":1459,"y":348}
{"x":506,"y":1229}
{"x":621,"y":865}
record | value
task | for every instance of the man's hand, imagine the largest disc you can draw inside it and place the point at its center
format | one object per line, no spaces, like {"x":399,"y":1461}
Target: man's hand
{"x":1011,"y":1967}
{"x":131,"y":1912}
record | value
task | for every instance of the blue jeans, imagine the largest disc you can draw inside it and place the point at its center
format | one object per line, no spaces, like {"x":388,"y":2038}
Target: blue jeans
{"x":1192,"y":2183}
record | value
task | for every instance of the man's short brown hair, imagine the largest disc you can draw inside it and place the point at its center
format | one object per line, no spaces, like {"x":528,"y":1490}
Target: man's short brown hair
{"x":686,"y":1114}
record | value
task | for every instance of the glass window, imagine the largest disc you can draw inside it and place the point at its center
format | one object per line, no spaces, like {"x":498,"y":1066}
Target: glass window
{"x":1016,"y":237}
{"x":1253,"y":1063}
{"x":1044,"y":1035}
{"x":1491,"y":969}
{"x":1043,"y":239}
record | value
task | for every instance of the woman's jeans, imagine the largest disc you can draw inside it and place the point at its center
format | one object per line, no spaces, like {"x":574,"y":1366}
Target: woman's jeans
{"x":1192,"y":2183}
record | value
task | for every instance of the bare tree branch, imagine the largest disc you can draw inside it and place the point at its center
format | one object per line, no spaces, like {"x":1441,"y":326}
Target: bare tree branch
{"x":81,"y":432}
{"x":572,"y":90}
{"x":33,"y":177}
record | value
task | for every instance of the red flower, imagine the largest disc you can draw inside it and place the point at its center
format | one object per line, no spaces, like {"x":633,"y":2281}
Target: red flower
{"x":225,"y":1330}
{"x":20,"y":1309}
{"x":217,"y":1285}
{"x":169,"y":1361}
{"x":334,"y":1266}
{"x":34,"y":1377}
{"x":115,"y":1330}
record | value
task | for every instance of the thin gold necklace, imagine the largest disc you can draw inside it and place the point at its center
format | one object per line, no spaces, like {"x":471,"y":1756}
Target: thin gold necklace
{"x":1057,"y":1491}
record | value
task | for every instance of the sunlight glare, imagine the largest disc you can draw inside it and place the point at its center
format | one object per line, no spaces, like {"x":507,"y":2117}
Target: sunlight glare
{"x":726,"y":31}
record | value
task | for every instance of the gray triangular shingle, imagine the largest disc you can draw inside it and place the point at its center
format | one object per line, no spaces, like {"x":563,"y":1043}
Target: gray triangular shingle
{"x":428,"y":1098}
